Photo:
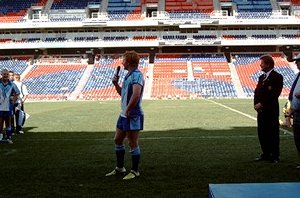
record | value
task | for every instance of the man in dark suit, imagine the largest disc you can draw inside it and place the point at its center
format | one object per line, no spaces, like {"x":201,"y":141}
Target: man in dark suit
{"x":266,"y":104}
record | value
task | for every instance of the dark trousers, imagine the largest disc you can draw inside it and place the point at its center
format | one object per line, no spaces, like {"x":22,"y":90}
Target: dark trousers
{"x":268,"y":134}
{"x":17,"y":113}
{"x":296,"y":130}
{"x":12,"y":120}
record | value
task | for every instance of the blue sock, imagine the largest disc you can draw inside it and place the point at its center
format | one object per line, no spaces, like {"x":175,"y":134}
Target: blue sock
{"x":120,"y":153}
{"x":135,"y":156}
{"x":8,"y":133}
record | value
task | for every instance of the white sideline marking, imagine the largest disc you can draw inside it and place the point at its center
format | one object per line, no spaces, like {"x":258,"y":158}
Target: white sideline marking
{"x":231,"y":109}
{"x":201,"y":137}
{"x":8,"y":151}
{"x":152,"y":138}
{"x":244,"y":114}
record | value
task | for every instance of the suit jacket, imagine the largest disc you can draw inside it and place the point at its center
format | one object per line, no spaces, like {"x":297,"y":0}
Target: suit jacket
{"x":267,"y":92}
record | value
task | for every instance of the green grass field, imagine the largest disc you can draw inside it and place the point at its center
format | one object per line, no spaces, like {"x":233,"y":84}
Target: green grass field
{"x":186,"y":145}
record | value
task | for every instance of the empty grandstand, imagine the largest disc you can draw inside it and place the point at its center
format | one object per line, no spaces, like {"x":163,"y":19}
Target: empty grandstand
{"x":189,"y":48}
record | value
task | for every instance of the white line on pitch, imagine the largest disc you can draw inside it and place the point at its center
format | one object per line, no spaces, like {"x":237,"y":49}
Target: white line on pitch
{"x":8,"y":151}
{"x":151,"y":138}
{"x":202,"y":137}
{"x":244,"y":114}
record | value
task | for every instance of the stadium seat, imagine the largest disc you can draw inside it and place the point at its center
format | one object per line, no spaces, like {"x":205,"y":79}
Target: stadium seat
{"x":53,"y":81}
{"x":17,"y":64}
{"x":99,"y":85}
{"x":124,"y":10}
{"x":70,"y":4}
{"x":13,"y":11}
{"x":248,"y":69}
{"x":210,"y":71}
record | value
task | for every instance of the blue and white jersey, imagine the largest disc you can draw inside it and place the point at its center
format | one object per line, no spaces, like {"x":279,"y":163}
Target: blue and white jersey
{"x":6,"y":92}
{"x":134,"y":77}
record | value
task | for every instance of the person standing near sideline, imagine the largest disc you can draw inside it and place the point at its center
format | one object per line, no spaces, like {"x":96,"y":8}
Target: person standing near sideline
{"x":8,"y":95}
{"x":266,"y":104}
{"x":11,"y":75}
{"x":20,"y":103}
{"x":131,"y":119}
{"x":294,"y":98}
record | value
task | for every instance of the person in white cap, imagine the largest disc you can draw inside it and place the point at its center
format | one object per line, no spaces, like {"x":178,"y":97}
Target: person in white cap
{"x":294,"y":97}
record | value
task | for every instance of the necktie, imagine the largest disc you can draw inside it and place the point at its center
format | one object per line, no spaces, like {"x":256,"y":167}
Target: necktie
{"x":293,"y":87}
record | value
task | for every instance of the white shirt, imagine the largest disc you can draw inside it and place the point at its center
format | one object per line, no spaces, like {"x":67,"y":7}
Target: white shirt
{"x":295,"y":101}
{"x":268,"y":73}
{"x":297,"y":88}
{"x":23,"y":90}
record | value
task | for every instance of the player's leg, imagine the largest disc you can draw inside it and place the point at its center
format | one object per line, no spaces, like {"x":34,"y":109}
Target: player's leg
{"x":120,"y":135}
{"x":8,"y":129}
{"x":135,"y":154}
{"x":24,"y":117}
{"x":17,"y":117}
{"x":134,"y":149}
{"x":12,"y":118}
{"x":136,"y":124}
{"x":20,"y":117}
{"x":1,"y":128}
{"x":119,"y":147}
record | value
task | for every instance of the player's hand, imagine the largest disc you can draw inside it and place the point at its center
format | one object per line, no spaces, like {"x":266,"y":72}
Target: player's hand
{"x":115,"y":79}
{"x":127,"y":113}
{"x":288,"y":122}
{"x":290,"y":112}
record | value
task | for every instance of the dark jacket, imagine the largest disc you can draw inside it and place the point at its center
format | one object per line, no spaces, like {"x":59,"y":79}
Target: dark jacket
{"x":267,"y":92}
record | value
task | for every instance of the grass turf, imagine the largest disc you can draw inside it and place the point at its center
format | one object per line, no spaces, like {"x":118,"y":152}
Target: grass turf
{"x":68,"y":147}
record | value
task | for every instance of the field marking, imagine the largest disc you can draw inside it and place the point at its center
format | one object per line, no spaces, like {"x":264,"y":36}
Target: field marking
{"x":201,"y":137}
{"x":244,"y":114}
{"x":8,"y":151}
{"x":151,"y":138}
{"x":231,"y":109}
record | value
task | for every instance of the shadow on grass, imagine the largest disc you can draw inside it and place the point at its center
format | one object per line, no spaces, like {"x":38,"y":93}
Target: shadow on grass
{"x":238,"y":132}
{"x":28,"y":129}
{"x":188,"y":133}
{"x":175,"y":163}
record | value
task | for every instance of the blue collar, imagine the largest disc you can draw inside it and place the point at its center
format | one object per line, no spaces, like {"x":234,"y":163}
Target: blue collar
{"x":9,"y":83}
{"x":136,"y":69}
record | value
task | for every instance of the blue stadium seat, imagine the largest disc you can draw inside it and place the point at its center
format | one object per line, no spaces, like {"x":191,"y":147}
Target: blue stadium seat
{"x":70,"y":4}
{"x":14,"y":64}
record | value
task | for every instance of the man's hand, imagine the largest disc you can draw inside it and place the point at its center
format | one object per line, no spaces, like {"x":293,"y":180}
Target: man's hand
{"x":258,"y":107}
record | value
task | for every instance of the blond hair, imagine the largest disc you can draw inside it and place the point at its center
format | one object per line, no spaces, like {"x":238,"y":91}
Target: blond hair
{"x":132,"y":58}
